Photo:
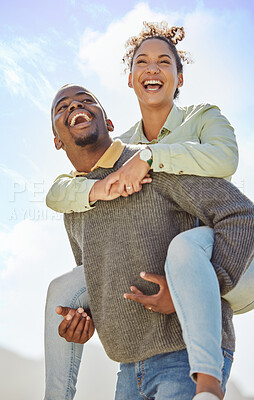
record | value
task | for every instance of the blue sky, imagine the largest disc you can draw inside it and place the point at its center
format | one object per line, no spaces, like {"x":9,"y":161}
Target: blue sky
{"x":44,"y":45}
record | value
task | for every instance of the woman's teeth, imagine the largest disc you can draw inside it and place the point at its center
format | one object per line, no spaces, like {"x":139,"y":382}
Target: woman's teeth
{"x":153,"y":84}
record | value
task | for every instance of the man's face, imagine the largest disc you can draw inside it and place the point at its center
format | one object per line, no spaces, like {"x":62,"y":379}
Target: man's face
{"x":77,"y":117}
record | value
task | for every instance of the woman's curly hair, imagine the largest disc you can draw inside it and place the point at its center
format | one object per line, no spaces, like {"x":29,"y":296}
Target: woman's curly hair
{"x":158,"y":30}
{"x":161,"y":31}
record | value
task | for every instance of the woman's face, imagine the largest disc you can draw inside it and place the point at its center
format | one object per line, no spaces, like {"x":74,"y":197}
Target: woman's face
{"x":154,"y":76}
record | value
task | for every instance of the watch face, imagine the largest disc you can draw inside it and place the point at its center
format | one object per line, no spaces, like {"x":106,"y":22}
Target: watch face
{"x":145,"y":154}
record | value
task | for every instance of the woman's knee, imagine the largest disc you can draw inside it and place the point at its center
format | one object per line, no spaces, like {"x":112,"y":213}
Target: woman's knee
{"x":188,"y":250}
{"x":56,"y":287}
{"x":65,"y":286}
{"x":69,"y":289}
{"x":188,"y":241}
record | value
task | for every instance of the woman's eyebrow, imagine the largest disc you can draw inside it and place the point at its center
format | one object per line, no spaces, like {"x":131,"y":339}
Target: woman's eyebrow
{"x":160,"y":56}
{"x":141,"y":55}
{"x":165,"y":55}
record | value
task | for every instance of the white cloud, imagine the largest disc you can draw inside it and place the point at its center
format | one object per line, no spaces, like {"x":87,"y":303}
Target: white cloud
{"x":22,"y":71}
{"x":100,"y":59}
{"x":17,"y":179}
{"x":217,"y":41}
{"x":34,"y":253}
{"x":13,"y":79}
{"x":221,"y":71}
{"x":101,"y":53}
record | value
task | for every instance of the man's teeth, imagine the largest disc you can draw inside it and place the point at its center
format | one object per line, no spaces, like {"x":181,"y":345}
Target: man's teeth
{"x":79,"y":115}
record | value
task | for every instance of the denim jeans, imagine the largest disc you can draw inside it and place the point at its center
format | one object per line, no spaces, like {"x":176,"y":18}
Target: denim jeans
{"x":63,"y":359}
{"x":194,"y":288}
{"x":162,"y":377}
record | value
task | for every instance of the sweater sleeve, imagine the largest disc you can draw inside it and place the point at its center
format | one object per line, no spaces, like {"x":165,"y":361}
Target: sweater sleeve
{"x":69,"y":194}
{"x":220,"y":205}
{"x":216,"y":153}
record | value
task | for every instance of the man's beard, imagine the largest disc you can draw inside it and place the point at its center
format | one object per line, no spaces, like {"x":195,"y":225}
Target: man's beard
{"x":86,"y":140}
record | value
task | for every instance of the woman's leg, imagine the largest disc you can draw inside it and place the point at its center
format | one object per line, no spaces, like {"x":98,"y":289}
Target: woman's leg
{"x":62,"y":359}
{"x":195,"y":292}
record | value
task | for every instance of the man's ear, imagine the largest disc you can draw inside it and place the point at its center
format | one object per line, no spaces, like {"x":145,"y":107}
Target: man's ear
{"x":130,"y":81}
{"x":180,"y":80}
{"x":58,"y":143}
{"x":110,"y":125}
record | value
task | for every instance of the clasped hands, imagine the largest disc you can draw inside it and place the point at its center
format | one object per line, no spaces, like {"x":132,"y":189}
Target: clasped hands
{"x":125,"y":181}
{"x":78,"y":327}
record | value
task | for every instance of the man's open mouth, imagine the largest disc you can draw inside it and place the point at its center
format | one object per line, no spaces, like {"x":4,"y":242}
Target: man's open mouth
{"x":152,"y":84}
{"x":80,"y":118}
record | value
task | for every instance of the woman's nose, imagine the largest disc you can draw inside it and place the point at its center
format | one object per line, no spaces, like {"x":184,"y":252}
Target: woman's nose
{"x":153,"y":68}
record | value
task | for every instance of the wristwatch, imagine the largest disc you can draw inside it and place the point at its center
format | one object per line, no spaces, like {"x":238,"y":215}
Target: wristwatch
{"x":146,"y":155}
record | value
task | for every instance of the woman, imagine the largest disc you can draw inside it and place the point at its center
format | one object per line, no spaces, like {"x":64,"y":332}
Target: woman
{"x":193,"y":140}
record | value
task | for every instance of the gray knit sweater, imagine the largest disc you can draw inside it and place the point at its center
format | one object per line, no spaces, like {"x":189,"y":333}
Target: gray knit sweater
{"x":119,"y":239}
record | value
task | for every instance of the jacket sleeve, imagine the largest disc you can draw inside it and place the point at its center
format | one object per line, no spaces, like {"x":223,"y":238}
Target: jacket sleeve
{"x":69,"y":194}
{"x":215,"y":154}
{"x":220,"y":205}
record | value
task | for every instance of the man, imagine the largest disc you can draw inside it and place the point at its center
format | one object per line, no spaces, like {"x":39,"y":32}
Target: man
{"x":121,"y":238}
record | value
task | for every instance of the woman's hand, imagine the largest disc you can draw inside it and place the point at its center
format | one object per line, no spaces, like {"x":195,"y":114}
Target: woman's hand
{"x":114,"y":185}
{"x":98,"y":191}
{"x":160,"y":302}
{"x":130,"y":176}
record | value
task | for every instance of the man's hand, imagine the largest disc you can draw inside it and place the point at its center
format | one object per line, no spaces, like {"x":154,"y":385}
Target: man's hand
{"x":160,"y":302}
{"x":130,"y":176}
{"x":76,"y":326}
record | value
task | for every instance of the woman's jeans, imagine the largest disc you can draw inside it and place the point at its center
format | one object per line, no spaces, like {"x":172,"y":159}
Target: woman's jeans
{"x":62,"y":359}
{"x":195,"y":293}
